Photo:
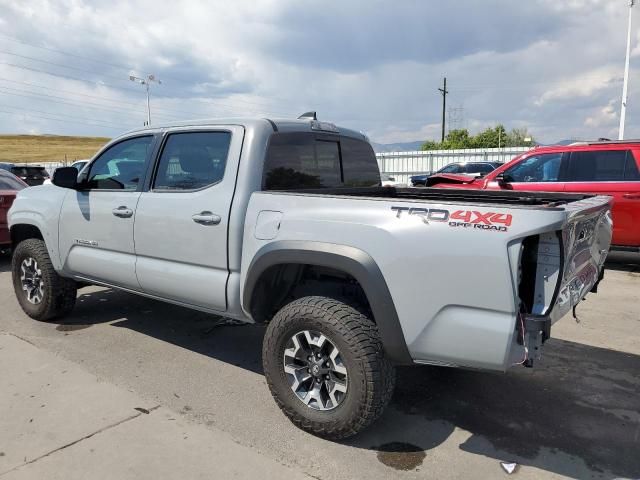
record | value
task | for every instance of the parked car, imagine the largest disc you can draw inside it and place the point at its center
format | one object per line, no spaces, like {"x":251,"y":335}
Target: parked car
{"x":78,"y":165}
{"x":10,"y":185}
{"x":389,"y":181}
{"x":265,"y":221}
{"x":471,"y":168}
{"x":31,"y":174}
{"x":600,"y":168}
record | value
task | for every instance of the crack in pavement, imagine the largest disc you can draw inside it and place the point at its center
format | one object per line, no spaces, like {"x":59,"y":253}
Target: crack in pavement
{"x":92,"y":434}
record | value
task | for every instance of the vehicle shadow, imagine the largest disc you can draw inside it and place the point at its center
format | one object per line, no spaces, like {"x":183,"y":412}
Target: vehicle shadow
{"x":5,"y":262}
{"x":576,"y":414}
{"x":623,"y":261}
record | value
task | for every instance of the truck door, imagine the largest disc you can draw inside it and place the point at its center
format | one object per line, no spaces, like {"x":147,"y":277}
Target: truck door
{"x":182,"y":220}
{"x":615,"y":173}
{"x":96,"y":223}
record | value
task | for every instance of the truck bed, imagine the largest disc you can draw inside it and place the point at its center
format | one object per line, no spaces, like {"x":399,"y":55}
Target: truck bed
{"x":447,"y":195}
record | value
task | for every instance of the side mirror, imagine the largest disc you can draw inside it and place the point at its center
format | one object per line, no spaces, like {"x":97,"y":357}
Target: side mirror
{"x":65,"y":177}
{"x":502,"y":179}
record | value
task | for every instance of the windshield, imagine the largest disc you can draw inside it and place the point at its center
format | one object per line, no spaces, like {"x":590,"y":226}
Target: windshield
{"x":10,"y":183}
{"x":451,"y":168}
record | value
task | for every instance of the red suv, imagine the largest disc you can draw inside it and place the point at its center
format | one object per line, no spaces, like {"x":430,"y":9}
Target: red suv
{"x":603,"y":168}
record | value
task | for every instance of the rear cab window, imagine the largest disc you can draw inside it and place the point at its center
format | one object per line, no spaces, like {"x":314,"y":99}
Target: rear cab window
{"x":300,"y":160}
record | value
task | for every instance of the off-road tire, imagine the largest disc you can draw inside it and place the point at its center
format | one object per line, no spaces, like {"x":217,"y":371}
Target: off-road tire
{"x":59,"y":293}
{"x":371,"y":376}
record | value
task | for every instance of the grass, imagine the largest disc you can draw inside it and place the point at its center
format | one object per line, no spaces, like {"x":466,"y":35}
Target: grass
{"x":47,"y":148}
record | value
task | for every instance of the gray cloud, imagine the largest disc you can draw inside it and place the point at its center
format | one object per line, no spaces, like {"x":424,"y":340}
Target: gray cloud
{"x":359,"y":35}
{"x":554,"y":67}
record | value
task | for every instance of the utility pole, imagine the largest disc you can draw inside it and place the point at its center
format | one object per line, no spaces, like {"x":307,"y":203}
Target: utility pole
{"x":146,"y":82}
{"x":623,"y":107}
{"x":444,"y":92}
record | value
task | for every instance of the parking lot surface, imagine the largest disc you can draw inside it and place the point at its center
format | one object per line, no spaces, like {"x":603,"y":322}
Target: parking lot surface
{"x":576,"y":415}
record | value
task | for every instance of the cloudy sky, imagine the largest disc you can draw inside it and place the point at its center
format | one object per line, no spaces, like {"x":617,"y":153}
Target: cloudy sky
{"x":553,"y":66}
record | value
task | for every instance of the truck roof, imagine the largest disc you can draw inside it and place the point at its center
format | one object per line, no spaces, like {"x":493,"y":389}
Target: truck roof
{"x":276,"y":125}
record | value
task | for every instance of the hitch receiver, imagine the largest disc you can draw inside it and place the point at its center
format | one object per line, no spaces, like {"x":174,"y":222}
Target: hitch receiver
{"x":538,"y":331}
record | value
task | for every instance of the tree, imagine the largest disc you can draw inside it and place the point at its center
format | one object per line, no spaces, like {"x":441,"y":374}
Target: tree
{"x":491,"y":137}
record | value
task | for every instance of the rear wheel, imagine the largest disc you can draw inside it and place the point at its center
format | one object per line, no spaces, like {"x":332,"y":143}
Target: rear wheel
{"x":326,"y":368}
{"x":41,"y":292}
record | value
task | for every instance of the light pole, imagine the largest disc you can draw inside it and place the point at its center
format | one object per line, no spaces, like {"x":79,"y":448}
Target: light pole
{"x":146,"y":82}
{"x":623,"y":107}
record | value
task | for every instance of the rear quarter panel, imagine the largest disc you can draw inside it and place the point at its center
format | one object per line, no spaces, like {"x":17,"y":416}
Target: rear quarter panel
{"x":454,"y":288}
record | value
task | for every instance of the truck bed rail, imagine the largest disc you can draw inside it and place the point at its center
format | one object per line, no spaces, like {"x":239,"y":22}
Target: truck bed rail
{"x":539,"y":199}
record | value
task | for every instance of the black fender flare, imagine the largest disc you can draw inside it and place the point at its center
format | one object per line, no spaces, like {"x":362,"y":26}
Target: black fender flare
{"x":351,"y":260}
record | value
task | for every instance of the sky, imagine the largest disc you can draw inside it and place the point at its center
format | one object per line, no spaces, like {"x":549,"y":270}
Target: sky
{"x":552,"y":66}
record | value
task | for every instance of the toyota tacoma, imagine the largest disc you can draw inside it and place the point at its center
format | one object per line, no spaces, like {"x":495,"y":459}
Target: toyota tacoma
{"x":285,"y":222}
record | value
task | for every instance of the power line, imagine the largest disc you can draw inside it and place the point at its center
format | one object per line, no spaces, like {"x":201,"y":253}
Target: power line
{"x":61,"y":100}
{"x":64,"y":115}
{"x":105,"y":108}
{"x":50,"y":116}
{"x":106,"y":99}
{"x":120,"y":102}
{"x":119,"y":66}
{"x":68,"y":77}
{"x":232,"y":108}
{"x":16,"y":40}
{"x":58,"y":64}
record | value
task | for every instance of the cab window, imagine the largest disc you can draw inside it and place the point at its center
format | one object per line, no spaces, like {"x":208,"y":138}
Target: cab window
{"x":192,"y":160}
{"x":121,"y":167}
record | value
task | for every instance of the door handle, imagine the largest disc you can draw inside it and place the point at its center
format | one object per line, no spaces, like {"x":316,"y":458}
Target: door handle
{"x":632,"y":196}
{"x":122,"y":212}
{"x":206,"y":218}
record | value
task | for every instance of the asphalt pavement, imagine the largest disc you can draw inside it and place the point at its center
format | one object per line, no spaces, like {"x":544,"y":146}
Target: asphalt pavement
{"x":576,"y":415}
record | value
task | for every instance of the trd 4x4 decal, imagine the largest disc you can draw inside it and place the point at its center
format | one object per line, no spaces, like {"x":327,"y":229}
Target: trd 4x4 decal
{"x":497,"y":222}
{"x":483,"y":220}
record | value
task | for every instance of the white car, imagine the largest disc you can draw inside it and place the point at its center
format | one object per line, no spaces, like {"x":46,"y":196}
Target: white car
{"x":388,"y":181}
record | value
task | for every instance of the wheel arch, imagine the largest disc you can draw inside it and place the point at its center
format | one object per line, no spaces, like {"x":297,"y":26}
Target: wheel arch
{"x":342,"y":258}
{"x":25,"y":229}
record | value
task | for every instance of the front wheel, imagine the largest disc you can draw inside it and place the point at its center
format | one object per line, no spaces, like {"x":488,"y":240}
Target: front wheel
{"x":326,"y":367}
{"x":41,"y":292}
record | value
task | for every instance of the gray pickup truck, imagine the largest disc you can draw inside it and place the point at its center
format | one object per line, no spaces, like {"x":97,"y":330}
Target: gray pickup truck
{"x":284,"y":222}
